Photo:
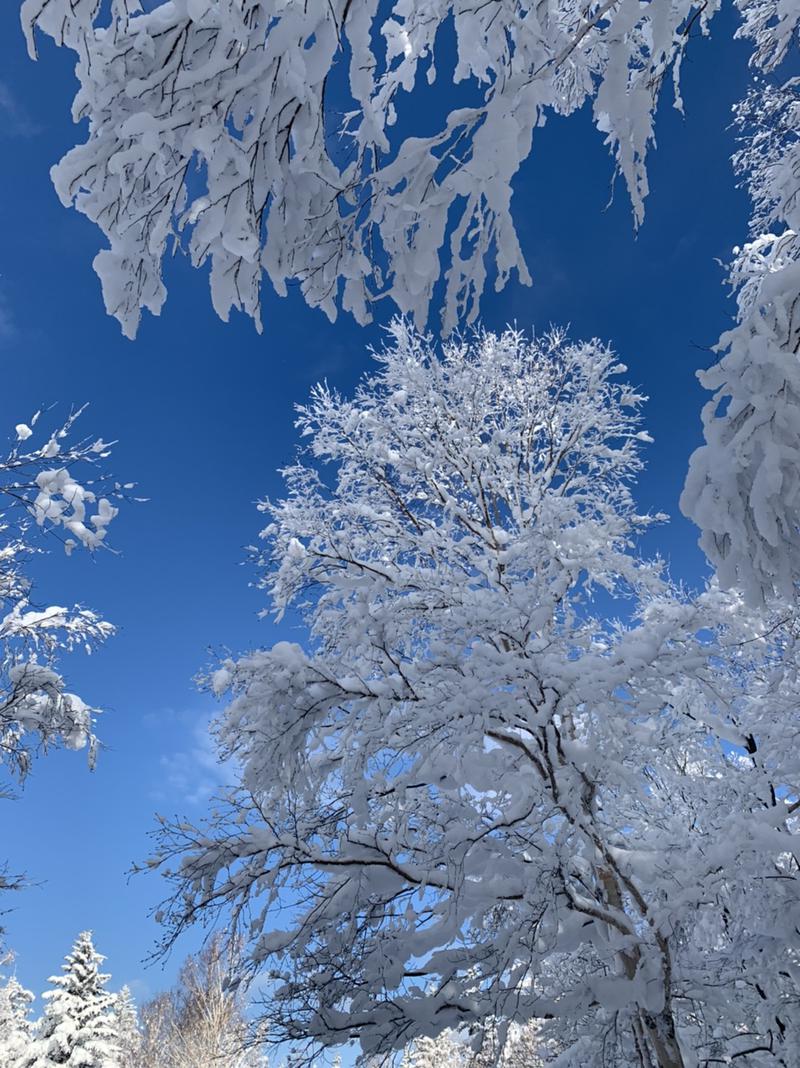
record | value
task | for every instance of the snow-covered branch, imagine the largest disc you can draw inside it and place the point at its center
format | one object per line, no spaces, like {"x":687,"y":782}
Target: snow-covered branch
{"x":743,"y":488}
{"x":474,"y":795}
{"x":262,"y":137}
{"x":56,"y":485}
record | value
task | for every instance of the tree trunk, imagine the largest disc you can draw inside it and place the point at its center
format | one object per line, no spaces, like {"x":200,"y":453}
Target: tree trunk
{"x":660,"y":1031}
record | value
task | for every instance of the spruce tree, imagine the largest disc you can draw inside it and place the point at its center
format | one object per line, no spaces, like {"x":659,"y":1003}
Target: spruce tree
{"x":77,"y":1028}
{"x":126,"y":1027}
{"x":15,"y":1024}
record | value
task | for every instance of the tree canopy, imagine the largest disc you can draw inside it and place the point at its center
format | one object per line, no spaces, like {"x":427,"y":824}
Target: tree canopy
{"x":517,"y":773}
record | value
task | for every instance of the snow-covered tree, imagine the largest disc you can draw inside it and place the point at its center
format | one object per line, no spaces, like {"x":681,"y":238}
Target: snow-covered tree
{"x":201,"y":1021}
{"x":522,"y":1047}
{"x":15,"y":1022}
{"x":743,"y":488}
{"x":127,"y":1034}
{"x":77,"y":1028}
{"x":526,"y":1047}
{"x":515,"y":774}
{"x":444,"y":1051}
{"x":210,"y":1024}
{"x":54,"y":485}
{"x":156,"y":1022}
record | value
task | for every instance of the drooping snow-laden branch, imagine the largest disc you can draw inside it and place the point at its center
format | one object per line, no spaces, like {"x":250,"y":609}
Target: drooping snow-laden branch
{"x":743,"y":487}
{"x":262,"y":137}
{"x":56,"y":488}
{"x":473,"y":795}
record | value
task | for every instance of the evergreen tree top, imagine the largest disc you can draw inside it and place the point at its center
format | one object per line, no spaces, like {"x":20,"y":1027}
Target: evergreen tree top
{"x":78,"y":1028}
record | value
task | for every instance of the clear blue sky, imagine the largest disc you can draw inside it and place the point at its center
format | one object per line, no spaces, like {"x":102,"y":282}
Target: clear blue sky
{"x":203,"y":414}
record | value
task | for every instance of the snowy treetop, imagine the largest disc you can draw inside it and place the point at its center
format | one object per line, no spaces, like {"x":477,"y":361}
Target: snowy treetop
{"x":476,"y":793}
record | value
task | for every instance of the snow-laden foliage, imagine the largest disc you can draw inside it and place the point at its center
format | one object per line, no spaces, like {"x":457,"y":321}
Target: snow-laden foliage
{"x":444,"y":1051}
{"x":263,"y":136}
{"x":51,"y":487}
{"x":77,"y":1029}
{"x":474,"y":794}
{"x":522,"y":1047}
{"x":126,"y":1027}
{"x":15,"y":1022}
{"x":743,"y":488}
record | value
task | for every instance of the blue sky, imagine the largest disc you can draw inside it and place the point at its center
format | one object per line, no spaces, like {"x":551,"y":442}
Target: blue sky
{"x":203,"y":414}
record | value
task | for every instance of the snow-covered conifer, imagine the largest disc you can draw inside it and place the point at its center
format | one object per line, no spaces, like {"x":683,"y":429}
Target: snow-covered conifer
{"x":77,"y":1029}
{"x":126,"y":1027}
{"x":15,"y":1022}
{"x":515,"y":774}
